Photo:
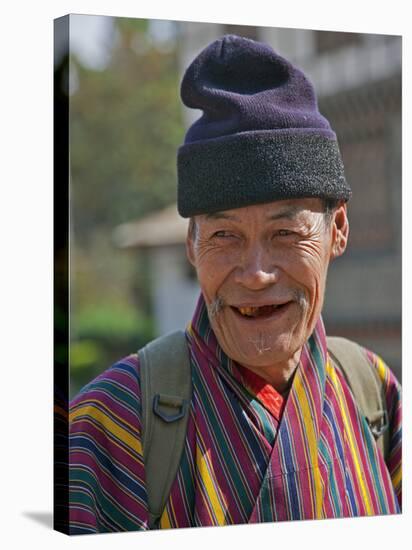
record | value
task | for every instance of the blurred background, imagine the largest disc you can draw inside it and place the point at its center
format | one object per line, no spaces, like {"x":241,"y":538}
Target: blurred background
{"x":129,"y":278}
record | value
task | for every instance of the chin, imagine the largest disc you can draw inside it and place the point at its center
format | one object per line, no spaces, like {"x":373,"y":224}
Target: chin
{"x":261,"y":353}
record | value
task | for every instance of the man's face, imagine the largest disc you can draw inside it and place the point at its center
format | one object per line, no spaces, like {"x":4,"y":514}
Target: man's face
{"x":262,"y":270}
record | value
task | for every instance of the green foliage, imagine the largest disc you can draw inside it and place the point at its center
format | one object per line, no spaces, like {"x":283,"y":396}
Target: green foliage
{"x":84,"y":354}
{"x":104,"y":333}
{"x":105,"y":321}
{"x":125,"y":128}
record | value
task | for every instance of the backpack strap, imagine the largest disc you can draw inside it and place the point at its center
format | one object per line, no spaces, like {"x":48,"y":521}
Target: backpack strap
{"x":166,"y":395}
{"x":366,"y":386}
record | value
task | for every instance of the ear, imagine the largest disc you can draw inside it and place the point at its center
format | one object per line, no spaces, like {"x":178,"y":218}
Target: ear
{"x":190,"y":247}
{"x":340,"y":231}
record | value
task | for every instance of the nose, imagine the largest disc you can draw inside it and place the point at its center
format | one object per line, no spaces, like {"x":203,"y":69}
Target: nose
{"x":257,"y":269}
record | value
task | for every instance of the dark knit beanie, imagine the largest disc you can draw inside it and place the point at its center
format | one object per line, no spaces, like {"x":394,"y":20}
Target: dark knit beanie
{"x":260,"y":138}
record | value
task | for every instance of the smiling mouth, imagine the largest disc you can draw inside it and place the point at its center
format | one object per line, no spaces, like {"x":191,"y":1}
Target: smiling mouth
{"x":261,"y":312}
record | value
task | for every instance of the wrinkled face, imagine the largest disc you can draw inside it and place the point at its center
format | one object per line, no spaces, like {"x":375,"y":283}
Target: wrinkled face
{"x":262,"y":270}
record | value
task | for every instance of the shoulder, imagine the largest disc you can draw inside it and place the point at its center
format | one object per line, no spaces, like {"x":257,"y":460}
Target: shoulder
{"x":384,"y":372}
{"x":353,"y":356}
{"x":112,"y":399}
{"x":343,"y":347}
{"x":390,"y":384}
{"x":124,"y":374}
{"x":106,"y":467}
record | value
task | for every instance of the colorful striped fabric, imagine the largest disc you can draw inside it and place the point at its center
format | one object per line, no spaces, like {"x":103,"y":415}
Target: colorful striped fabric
{"x":269,"y":397}
{"x":239,"y":464}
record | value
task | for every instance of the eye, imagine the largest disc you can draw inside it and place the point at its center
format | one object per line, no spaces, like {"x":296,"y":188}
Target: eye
{"x":222,"y":234}
{"x":283,"y":233}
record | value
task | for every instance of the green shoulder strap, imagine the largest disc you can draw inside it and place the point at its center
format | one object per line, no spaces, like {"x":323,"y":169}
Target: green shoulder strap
{"x":166,"y":395}
{"x":365,"y":384}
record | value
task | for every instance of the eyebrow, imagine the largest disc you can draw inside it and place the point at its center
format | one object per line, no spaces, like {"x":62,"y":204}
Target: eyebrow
{"x":288,"y":213}
{"x":221,"y":216}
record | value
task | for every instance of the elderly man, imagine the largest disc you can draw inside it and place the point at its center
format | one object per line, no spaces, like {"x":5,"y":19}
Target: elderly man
{"x":276,"y":427}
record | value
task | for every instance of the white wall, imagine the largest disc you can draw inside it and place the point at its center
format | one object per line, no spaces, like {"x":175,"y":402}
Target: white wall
{"x":174,"y":293}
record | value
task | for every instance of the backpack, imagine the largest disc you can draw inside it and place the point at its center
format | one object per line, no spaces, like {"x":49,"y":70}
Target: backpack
{"x":166,"y":394}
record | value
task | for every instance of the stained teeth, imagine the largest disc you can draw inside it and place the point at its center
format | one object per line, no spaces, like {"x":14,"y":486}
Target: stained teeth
{"x":255,"y":311}
{"x":248,"y":310}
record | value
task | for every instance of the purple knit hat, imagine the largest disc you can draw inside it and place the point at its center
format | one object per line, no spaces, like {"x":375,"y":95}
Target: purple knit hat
{"x":260,"y":138}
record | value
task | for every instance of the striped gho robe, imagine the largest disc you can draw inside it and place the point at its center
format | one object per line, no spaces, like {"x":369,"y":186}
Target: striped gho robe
{"x":242,"y":462}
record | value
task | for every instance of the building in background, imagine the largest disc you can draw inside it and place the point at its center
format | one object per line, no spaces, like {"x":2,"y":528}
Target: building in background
{"x":358,"y":82}
{"x":174,"y":288}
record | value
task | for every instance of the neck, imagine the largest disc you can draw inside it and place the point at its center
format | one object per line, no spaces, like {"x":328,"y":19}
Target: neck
{"x":280,"y":376}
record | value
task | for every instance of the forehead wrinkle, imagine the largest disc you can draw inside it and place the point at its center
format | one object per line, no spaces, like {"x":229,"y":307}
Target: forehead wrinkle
{"x":221,"y":216}
{"x":288,"y":213}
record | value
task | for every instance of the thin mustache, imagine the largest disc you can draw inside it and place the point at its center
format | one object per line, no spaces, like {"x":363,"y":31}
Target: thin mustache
{"x":300,"y":297}
{"x":215,"y":307}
